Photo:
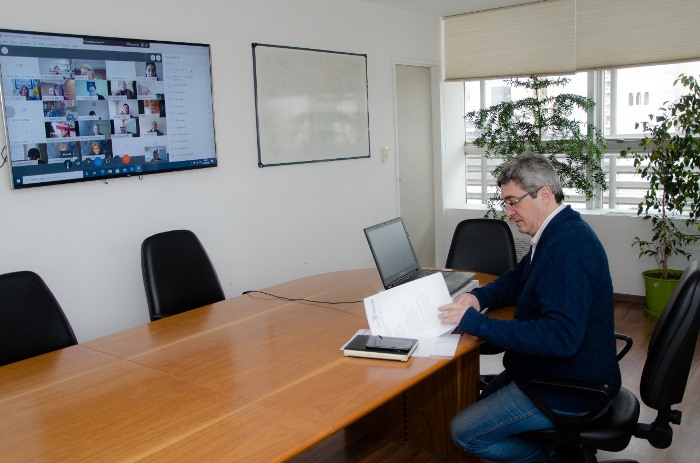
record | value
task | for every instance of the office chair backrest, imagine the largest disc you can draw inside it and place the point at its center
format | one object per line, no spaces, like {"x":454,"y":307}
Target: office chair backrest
{"x":482,"y":245}
{"x":31,"y":320}
{"x":177,"y":274}
{"x":672,"y":344}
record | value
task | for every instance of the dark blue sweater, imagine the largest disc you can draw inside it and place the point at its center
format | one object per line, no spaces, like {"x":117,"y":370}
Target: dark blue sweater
{"x":564,"y":322}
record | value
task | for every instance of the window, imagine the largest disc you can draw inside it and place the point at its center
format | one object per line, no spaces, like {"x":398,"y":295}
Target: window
{"x":626,"y":96}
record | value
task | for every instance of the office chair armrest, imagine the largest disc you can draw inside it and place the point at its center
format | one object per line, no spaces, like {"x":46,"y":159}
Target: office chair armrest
{"x":627,"y":346}
{"x":568,"y":426}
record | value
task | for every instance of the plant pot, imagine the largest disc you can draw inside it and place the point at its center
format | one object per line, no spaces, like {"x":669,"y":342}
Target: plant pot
{"x":659,"y":290}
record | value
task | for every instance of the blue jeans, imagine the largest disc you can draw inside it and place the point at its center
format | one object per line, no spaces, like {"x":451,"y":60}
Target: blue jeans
{"x":489,"y":428}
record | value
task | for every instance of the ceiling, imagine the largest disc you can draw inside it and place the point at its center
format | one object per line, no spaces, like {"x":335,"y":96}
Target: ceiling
{"x":443,"y":8}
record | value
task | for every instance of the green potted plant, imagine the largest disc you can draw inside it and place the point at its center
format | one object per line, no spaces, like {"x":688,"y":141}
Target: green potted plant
{"x":545,"y":124}
{"x":668,"y":157}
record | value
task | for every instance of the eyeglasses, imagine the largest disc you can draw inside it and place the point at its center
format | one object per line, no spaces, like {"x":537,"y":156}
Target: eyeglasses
{"x":512,"y":202}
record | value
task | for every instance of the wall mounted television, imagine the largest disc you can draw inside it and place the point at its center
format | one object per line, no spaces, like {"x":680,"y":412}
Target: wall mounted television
{"x":80,"y":107}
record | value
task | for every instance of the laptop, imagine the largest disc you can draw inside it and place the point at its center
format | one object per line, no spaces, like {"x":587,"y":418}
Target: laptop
{"x":396,"y":260}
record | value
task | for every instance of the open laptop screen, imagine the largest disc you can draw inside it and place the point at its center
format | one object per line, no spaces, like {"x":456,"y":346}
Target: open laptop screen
{"x":392,"y":250}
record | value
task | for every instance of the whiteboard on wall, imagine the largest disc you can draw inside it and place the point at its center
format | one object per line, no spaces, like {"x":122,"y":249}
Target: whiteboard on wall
{"x":310,"y":105}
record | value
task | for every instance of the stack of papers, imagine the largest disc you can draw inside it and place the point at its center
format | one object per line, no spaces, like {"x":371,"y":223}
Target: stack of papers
{"x":410,"y":310}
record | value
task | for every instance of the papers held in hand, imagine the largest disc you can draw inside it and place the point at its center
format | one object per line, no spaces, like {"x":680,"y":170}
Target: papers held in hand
{"x":379,"y":347}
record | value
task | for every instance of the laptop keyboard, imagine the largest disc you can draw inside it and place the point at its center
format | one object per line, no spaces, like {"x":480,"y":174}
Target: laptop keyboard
{"x":445,"y":273}
{"x":453,"y":280}
{"x":425,"y":272}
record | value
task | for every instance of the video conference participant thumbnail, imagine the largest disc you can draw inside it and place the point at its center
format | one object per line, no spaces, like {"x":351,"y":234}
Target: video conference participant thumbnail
{"x":90,"y":69}
{"x":60,"y":150}
{"x":152,"y":70}
{"x":155,"y":153}
{"x":56,"y":67}
{"x":125,"y":128}
{"x":29,"y":154}
{"x":152,"y":107}
{"x":91,"y":89}
{"x":123,"y":88}
{"x":93,"y":109}
{"x":25,"y":89}
{"x":155,"y":127}
{"x":92,"y":149}
{"x":123,"y":109}
{"x":149,"y":90}
{"x":95,"y":129}
{"x":61,"y":129}
{"x":60,"y":110}
{"x":58,"y":89}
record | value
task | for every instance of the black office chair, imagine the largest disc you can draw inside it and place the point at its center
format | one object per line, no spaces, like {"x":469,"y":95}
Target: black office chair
{"x":31,"y":320}
{"x":487,"y":246}
{"x":482,"y":245}
{"x":662,"y":385}
{"x":177,"y":274}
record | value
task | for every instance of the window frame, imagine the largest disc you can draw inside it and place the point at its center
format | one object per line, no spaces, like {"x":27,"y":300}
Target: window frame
{"x":624,"y":190}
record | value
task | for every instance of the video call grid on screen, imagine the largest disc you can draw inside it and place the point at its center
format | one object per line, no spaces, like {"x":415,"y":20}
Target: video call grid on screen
{"x":82,"y":108}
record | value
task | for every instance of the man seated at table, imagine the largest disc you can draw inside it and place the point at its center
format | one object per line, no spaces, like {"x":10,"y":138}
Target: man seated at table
{"x":564,"y":321}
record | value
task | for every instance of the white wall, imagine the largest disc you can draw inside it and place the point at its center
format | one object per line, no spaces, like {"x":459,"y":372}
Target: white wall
{"x":260,"y":226}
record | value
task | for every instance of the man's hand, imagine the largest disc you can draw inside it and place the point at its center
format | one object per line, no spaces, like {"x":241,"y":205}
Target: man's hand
{"x":452,"y":313}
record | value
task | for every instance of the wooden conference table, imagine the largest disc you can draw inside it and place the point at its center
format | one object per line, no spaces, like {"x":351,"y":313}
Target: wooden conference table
{"x":252,"y":379}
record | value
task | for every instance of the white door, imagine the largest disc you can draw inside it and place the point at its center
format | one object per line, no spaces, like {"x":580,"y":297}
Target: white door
{"x":415,"y":158}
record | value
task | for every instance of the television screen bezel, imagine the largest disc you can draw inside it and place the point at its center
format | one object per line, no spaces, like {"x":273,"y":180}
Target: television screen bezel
{"x":138,"y":44}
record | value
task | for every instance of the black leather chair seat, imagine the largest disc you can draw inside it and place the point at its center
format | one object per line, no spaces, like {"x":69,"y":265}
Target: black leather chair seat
{"x":611,"y":432}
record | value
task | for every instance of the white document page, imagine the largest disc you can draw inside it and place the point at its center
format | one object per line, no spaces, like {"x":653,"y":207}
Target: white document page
{"x":410,"y":310}
{"x":442,"y":346}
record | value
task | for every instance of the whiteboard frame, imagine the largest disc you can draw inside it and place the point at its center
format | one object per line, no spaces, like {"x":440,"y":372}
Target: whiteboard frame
{"x":269,"y":73}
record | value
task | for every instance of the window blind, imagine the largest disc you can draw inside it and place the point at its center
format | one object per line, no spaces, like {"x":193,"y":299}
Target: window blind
{"x":565,"y":36}
{"x":634,"y":32}
{"x":536,"y":38}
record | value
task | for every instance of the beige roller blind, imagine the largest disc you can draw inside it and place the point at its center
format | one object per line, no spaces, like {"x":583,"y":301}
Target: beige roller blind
{"x":565,"y":36}
{"x":516,"y":41}
{"x":629,"y":32}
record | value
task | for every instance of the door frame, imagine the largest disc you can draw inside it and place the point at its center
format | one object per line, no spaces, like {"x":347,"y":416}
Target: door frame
{"x":436,"y":105}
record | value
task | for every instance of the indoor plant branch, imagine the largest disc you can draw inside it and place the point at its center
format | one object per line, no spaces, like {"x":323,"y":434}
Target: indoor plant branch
{"x":544,"y":124}
{"x":669,"y":158}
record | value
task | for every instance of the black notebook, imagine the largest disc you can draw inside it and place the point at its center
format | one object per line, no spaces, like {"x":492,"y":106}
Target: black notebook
{"x":379,"y":347}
